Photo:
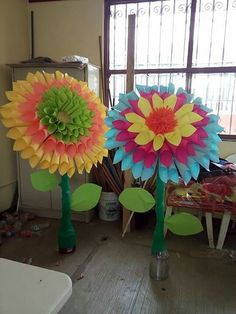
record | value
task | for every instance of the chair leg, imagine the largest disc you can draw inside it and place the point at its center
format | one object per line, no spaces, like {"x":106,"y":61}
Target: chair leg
{"x":169,"y":211}
{"x":223,"y":230}
{"x":210,"y":234}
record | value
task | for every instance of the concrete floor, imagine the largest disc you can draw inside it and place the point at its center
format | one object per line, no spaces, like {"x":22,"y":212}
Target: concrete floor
{"x":110,"y":274}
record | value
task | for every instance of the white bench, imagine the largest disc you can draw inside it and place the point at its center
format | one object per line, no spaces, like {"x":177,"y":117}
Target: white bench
{"x":27,"y":289}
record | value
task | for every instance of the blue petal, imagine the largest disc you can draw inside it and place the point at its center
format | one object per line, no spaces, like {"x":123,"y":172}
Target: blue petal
{"x":171,"y":88}
{"x":184,"y":172}
{"x":163,"y":173}
{"x":119,"y":155}
{"x":109,"y":121}
{"x":173,"y":173}
{"x":137,"y":169}
{"x":111,"y":133}
{"x":143,"y":89}
{"x":194,"y":167}
{"x":180,"y":90}
{"x":115,"y":115}
{"x":163,"y":89}
{"x":111,"y":143}
{"x":127,"y":162}
{"x":197,"y":101}
{"x":147,"y":173}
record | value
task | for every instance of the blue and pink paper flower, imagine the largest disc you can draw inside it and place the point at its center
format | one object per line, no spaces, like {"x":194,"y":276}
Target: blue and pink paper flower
{"x":160,"y":127}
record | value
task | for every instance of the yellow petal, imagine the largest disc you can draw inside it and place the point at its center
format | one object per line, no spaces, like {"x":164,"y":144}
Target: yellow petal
{"x":134,"y":118}
{"x":21,"y":143}
{"x":144,"y":137}
{"x":59,"y":75}
{"x":16,"y":132}
{"x":170,"y":101}
{"x":190,"y":118}
{"x":157,"y":101}
{"x":137,"y":127}
{"x":49,"y":77}
{"x":145,"y":106}
{"x":54,"y":162}
{"x":9,"y":113}
{"x":45,"y":161}
{"x":174,"y":137}
{"x":11,"y":122}
{"x":40,"y":77}
{"x":184,"y":110}
{"x":71,"y":169}
{"x":29,"y":151}
{"x":64,"y":164}
{"x":187,"y":130}
{"x":34,"y":160}
{"x":31,"y":78}
{"x":26,"y":85}
{"x":158,"y":141}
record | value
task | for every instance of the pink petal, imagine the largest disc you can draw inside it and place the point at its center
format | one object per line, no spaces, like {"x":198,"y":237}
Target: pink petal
{"x":198,"y":110}
{"x":39,"y":88}
{"x":33,"y":128}
{"x":134,"y":104}
{"x":49,"y":145}
{"x":28,"y":105}
{"x":190,"y":149}
{"x":181,"y":99}
{"x":138,"y":155}
{"x":39,"y":136}
{"x":150,"y":159}
{"x":29,"y":116}
{"x":71,"y":150}
{"x":203,"y":122}
{"x":121,"y":124}
{"x":181,"y":155}
{"x":166,"y":158}
{"x":202,"y":133}
{"x":60,"y":147}
{"x":127,"y":110}
{"x":125,"y":136}
{"x":130,"y":146}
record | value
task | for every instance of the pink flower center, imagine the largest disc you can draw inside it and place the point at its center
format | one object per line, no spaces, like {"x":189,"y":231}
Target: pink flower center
{"x":161,"y":121}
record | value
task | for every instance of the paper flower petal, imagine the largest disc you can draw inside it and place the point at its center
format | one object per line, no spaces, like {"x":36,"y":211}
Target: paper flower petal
{"x":162,"y":127}
{"x":54,"y":118}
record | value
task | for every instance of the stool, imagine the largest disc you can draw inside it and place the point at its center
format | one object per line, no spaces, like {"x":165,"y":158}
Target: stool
{"x":27,"y":289}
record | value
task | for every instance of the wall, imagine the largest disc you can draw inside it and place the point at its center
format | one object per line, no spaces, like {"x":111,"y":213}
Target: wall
{"x":14,"y":47}
{"x":63,"y":28}
{"x":227,"y":148}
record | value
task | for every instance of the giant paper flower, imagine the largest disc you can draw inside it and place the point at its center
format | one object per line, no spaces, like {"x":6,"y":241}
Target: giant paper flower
{"x":57,"y":122}
{"x":164,"y":127}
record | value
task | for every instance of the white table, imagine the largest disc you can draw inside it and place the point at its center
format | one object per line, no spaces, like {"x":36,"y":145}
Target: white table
{"x":27,"y":289}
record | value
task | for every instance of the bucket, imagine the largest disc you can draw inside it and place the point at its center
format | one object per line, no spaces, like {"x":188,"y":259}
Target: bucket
{"x":109,"y":206}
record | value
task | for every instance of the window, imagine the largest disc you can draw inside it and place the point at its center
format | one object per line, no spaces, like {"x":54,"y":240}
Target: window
{"x":187,"y":42}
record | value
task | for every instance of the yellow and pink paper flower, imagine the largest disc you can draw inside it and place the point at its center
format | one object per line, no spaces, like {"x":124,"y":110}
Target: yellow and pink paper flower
{"x":161,"y":126}
{"x":57,"y":123}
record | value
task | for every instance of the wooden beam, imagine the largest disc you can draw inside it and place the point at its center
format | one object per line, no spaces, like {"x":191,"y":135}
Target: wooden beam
{"x":128,"y":178}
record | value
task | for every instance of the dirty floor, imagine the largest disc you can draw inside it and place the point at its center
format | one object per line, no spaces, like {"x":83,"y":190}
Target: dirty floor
{"x":110,"y":274}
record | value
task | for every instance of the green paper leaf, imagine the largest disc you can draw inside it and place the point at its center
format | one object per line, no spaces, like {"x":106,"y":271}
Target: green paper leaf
{"x":137,"y":200}
{"x":43,"y":181}
{"x":183,"y":224}
{"x":85,"y":197}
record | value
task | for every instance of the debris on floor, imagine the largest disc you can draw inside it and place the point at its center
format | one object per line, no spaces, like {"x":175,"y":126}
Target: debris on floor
{"x":38,"y":227}
{"x":12,"y":224}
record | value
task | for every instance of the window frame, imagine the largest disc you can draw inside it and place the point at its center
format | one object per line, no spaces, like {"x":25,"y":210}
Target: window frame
{"x":189,"y":70}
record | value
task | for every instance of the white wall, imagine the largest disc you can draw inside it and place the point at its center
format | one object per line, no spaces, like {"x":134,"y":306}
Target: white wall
{"x":65,"y":28}
{"x":13,"y":48}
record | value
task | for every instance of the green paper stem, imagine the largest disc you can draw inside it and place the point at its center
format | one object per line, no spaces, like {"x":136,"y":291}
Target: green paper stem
{"x":66,"y":234}
{"x":158,"y":243}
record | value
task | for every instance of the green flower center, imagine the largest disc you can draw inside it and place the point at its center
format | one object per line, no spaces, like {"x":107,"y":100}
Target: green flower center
{"x":65,"y":114}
